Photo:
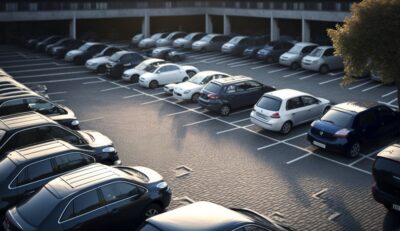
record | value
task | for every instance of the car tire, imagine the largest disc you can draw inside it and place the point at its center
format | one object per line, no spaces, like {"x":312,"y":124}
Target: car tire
{"x":324,"y":69}
{"x":295,"y":66}
{"x":153,"y":84}
{"x":190,"y":73}
{"x":354,"y":150}
{"x":152,"y":210}
{"x":195,"y":97}
{"x":101,"y":69}
{"x":134,"y":79}
{"x":286,"y":127}
{"x":225,"y":110}
{"x":270,"y":59}
{"x":326,"y":110}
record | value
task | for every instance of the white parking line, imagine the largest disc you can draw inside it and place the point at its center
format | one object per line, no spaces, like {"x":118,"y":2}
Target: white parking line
{"x":388,"y":104}
{"x":43,"y":69}
{"x":131,"y":96}
{"x":296,"y":73}
{"x":337,"y":73}
{"x":155,"y":101}
{"x":329,"y":81}
{"x":93,"y":82}
{"x":247,"y":63}
{"x":92,"y":119}
{"x":233,"y":129}
{"x":279,"y":70}
{"x":266,"y":65}
{"x":28,"y":65}
{"x":282,"y":141}
{"x":119,"y":87}
{"x":244,"y":60}
{"x":392,"y":101}
{"x":59,"y":80}
{"x":373,"y":87}
{"x":58,"y":101}
{"x":160,"y":93}
{"x":204,"y":56}
{"x":390,"y":93}
{"x":24,"y":60}
{"x":212,"y":60}
{"x":185,"y":111}
{"x":308,"y":76}
{"x":238,"y":121}
{"x":57,"y":93}
{"x":360,"y":85}
{"x":367,"y":156}
{"x":52,"y":74}
{"x":198,"y":122}
{"x":299,"y":158}
{"x":231,"y":59}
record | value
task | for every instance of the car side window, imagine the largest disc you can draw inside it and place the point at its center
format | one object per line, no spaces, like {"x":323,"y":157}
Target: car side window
{"x":294,"y":103}
{"x":206,"y":80}
{"x":118,"y":191}
{"x":24,"y":138}
{"x":328,"y":52}
{"x":308,"y":100}
{"x":173,"y":68}
{"x":163,"y":69}
{"x":71,"y":161}
{"x":82,"y":204}
{"x":252,"y":85}
{"x":231,"y":89}
{"x":367,"y":119}
{"x":241,"y":87}
{"x":39,"y":171}
{"x":59,"y":133}
{"x":14,"y":106}
{"x":42,"y":106}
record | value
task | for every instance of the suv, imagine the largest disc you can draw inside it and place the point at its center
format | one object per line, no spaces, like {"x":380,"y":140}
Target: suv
{"x":96,"y":197}
{"x":121,"y":61}
{"x":386,"y":172}
{"x":26,"y":170}
{"x":29,"y":128}
{"x":347,"y":125}
{"x":322,"y":59}
{"x":229,"y":93}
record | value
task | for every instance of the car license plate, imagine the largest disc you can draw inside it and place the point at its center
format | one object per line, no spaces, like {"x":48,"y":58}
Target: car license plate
{"x":396,"y":207}
{"x":319,"y":144}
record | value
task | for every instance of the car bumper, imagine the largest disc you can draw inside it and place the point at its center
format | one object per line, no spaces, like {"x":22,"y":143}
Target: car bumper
{"x":91,"y":67}
{"x":337,"y":145}
{"x":69,"y":58}
{"x":126,"y":77}
{"x":144,"y":83}
{"x":168,"y":90}
{"x":210,"y":105}
{"x":180,"y":96}
{"x":198,"y":48}
{"x":273,"y":125}
{"x":287,"y":62}
{"x":384,"y":197}
{"x":311,"y":67}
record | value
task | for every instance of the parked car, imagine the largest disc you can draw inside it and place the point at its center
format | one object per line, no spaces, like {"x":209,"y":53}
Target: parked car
{"x":225,"y":94}
{"x":60,"y":42}
{"x":168,"y":53}
{"x":281,"y":110}
{"x":24,"y":129}
{"x":273,"y":50}
{"x":168,"y":41}
{"x":95,"y":197}
{"x":190,"y":90}
{"x":237,"y":45}
{"x":136,"y":40}
{"x":24,"y":171}
{"x":61,"y":50}
{"x":207,"y":216}
{"x":322,"y":59}
{"x":85,"y":52}
{"x":187,"y":41}
{"x":347,"y":126}
{"x":293,"y":57}
{"x":40,"y":46}
{"x":151,"y":42}
{"x":386,"y":176}
{"x":31,"y":43}
{"x":210,"y":42}
{"x":148,"y":65}
{"x":252,"y":51}
{"x":121,"y":61}
{"x":99,"y":61}
{"x":165,"y":74}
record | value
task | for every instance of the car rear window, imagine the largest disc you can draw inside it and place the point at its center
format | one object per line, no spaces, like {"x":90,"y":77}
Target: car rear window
{"x":213,"y":87}
{"x":338,"y":118}
{"x":386,"y":165}
{"x":38,"y":208}
{"x":269,"y":103}
{"x":7,"y":167}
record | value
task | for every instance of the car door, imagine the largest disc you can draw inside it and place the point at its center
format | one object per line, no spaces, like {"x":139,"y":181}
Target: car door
{"x":329,"y":58}
{"x":254,"y":92}
{"x":174,"y":74}
{"x":368,"y":125}
{"x":236,"y":95}
{"x":126,"y":61}
{"x":313,"y":109}
{"x":387,"y":121}
{"x":55,"y":132}
{"x":295,"y":108}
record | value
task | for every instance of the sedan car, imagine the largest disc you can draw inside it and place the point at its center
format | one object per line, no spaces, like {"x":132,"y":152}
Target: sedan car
{"x":293,"y":57}
{"x":168,"y":53}
{"x":165,"y":74}
{"x":151,"y":42}
{"x":85,"y":52}
{"x":95,"y":197}
{"x":148,"y":65}
{"x":167,"y":41}
{"x":187,"y":41}
{"x":323,"y":60}
{"x":99,"y":61}
{"x":60,"y":42}
{"x":210,"y":42}
{"x":121,"y":61}
{"x":273,"y":50}
{"x":281,"y":110}
{"x":136,"y":40}
{"x":237,"y":45}
{"x":190,"y":90}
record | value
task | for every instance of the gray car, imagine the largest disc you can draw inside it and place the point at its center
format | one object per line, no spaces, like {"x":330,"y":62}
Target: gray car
{"x":211,"y":42}
{"x":151,"y":42}
{"x":136,"y":40}
{"x":293,"y":57}
{"x":237,"y":45}
{"x":188,"y":40}
{"x":322,"y":59}
{"x":162,"y":42}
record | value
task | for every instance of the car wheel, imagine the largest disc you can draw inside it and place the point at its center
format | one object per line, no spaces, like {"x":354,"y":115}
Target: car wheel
{"x":153,"y":84}
{"x":270,"y":59}
{"x":152,"y":210}
{"x":195,"y":97}
{"x":326,"y":110}
{"x":354,"y":150}
{"x":134,"y":79}
{"x":324,"y":69}
{"x":295,"y":66}
{"x":190,"y":73}
{"x":101,"y":69}
{"x":286,"y":127}
{"x":225,"y":110}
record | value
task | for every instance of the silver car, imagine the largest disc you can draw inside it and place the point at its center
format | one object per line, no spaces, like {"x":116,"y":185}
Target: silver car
{"x":211,"y":42}
{"x":322,"y":59}
{"x":151,"y":42}
{"x":293,"y":57}
{"x":163,"y":42}
{"x":188,"y":40}
{"x":281,"y":110}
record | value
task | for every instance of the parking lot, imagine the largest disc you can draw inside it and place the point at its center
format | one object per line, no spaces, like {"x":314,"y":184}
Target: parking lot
{"x":227,"y":160}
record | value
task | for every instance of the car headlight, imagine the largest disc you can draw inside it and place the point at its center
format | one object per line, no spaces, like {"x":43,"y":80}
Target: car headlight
{"x":186,"y":92}
{"x":75,"y":123}
{"x":108,"y":149}
{"x":162,"y":185}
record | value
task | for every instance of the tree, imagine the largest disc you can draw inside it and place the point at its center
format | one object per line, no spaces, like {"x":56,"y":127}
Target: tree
{"x":369,"y":40}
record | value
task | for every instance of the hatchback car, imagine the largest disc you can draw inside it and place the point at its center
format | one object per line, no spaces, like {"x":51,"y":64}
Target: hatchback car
{"x":323,"y":60}
{"x":273,"y":50}
{"x":95,"y":197}
{"x":121,"y":61}
{"x":281,"y":110}
{"x":85,"y":52}
{"x":148,"y":65}
{"x":293,"y":57}
{"x":207,"y":216}
{"x":386,"y":173}
{"x":188,"y":40}
{"x":237,"y":45}
{"x":168,"y":41}
{"x":346,"y":126}
{"x":30,"y":128}
{"x":26,"y":170}
{"x":210,"y":42}
{"x":225,"y":94}
{"x":99,"y":61}
{"x":151,"y":42}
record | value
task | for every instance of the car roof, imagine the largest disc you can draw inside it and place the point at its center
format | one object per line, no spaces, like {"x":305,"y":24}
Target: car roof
{"x":231,"y":79}
{"x":125,"y":52}
{"x":83,"y":178}
{"x":356,"y":106}
{"x":392,"y":152}
{"x":286,"y":93}
{"x":152,"y":60}
{"x":199,"y":216}
{"x":206,"y":73}
{"x":304,"y":44}
{"x":23,"y":120}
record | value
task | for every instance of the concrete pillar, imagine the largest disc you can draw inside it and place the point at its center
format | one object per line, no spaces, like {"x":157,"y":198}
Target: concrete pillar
{"x":146,"y":26}
{"x":305,"y":31}
{"x":72,"y":28}
{"x":209,"y":24}
{"x":274,"y":29}
{"x":227,"y":25}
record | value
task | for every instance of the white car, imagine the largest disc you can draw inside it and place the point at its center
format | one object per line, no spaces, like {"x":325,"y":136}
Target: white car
{"x":148,"y":65}
{"x":166,"y":74}
{"x":190,"y":90}
{"x":281,"y":110}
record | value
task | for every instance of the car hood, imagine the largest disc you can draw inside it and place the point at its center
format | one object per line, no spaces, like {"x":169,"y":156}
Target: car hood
{"x":147,"y":40}
{"x":325,"y":126}
{"x":95,"y":139}
{"x":310,"y":58}
{"x":228,"y":45}
{"x":180,"y":41}
{"x":187,"y":86}
{"x":171,"y":85}
{"x":200,"y":43}
{"x":150,"y":173}
{"x":134,"y":71}
{"x":264,"y":51}
{"x":160,"y":41}
{"x":74,"y":52}
{"x":288,"y":55}
{"x":57,"y":48}
{"x":103,"y":59}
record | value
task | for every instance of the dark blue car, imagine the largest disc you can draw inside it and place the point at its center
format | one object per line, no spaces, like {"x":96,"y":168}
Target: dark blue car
{"x":346,"y":126}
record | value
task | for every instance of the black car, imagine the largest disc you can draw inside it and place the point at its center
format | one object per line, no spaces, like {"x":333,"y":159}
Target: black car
{"x":207,"y":216}
{"x":386,"y":173}
{"x":95,"y":197}
{"x":237,"y":45}
{"x":26,"y":170}
{"x":121,"y":61}
{"x":168,"y":53}
{"x":346,"y":126}
{"x":41,"y":46}
{"x":229,"y":93}
{"x":273,"y":50}
{"x":251,"y":52}
{"x":71,"y":44}
{"x":24,"y":129}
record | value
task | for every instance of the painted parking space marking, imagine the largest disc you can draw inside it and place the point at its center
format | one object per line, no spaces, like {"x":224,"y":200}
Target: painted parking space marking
{"x":373,"y":87}
{"x":53,"y":74}
{"x":299,"y":158}
{"x":31,"y":65}
{"x":247,"y":63}
{"x":308,"y":76}
{"x":131,"y":96}
{"x":329,"y":81}
{"x":244,"y":60}
{"x":266,"y":65}
{"x":337,"y":73}
{"x":198,"y":122}
{"x":42,"y":69}
{"x":392,"y":101}
{"x":60,"y":80}
{"x":184,"y":111}
{"x":390,"y":93}
{"x":230,"y":60}
{"x":215,"y":60}
{"x":57,"y":93}
{"x":100,"y":80}
{"x":388,"y":104}
{"x":119,"y":87}
{"x":155,"y":101}
{"x":279,"y":70}
{"x":292,"y":74}
{"x":233,"y":129}
{"x":24,"y":60}
{"x":281,"y":141}
{"x":360,"y":85}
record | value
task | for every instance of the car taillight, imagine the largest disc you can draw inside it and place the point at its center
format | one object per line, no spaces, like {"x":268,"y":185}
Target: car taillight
{"x":275,"y":115}
{"x":342,"y":133}
{"x":212,"y":96}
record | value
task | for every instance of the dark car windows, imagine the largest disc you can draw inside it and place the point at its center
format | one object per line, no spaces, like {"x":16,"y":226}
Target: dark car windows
{"x":42,"y":106}
{"x":118,"y":191}
{"x":136,"y":57}
{"x":39,"y":171}
{"x":385,"y":113}
{"x":252,"y":85}
{"x":82,"y":204}
{"x":294,"y":103}
{"x":339,"y":118}
{"x":59,"y":133}
{"x":367,"y":119}
{"x":173,"y":68}
{"x":308,"y":49}
{"x":308,"y":100}
{"x":213,"y":87}
{"x":328,"y":52}
{"x":71,"y":161}
{"x":269,"y":103}
{"x":13,"y":106}
{"x":231,"y":89}
{"x":125,"y":59}
{"x":24,"y":138}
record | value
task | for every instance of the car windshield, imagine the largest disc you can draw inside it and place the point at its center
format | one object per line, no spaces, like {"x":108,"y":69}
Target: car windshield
{"x":135,"y":173}
{"x":268,"y":47}
{"x":317,"y":52}
{"x":190,"y":36}
{"x":84,"y":47}
{"x":156,"y":36}
{"x":295,"y":50}
{"x":213,"y":87}
{"x":197,"y":79}
{"x":115,"y":57}
{"x":338,"y":118}
{"x":7,"y":167}
{"x":137,"y":36}
{"x":235,"y":40}
{"x":269,"y":103}
{"x":38,"y":207}
{"x":170,"y":36}
{"x":142,"y":66}
{"x":207,"y":38}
